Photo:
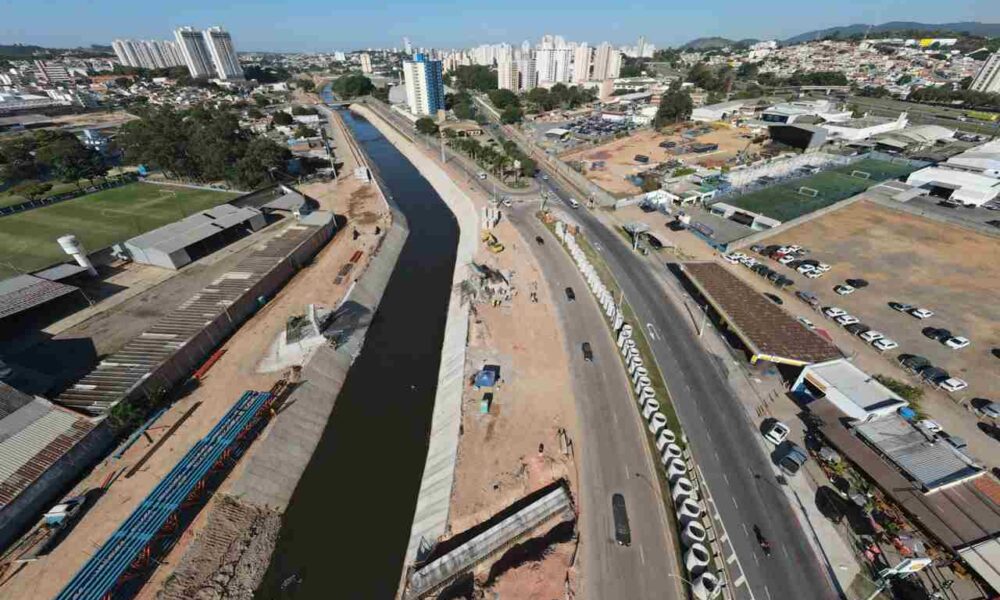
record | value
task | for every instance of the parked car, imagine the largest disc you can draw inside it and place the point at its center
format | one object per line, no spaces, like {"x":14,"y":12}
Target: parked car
{"x":871,"y":335}
{"x":570,"y":294}
{"x":857,"y":283}
{"x":901,"y":307}
{"x":804,"y":269}
{"x":932,"y":374}
{"x":844,"y":290}
{"x":807,"y":297}
{"x":773,"y":298}
{"x":730,"y":258}
{"x":957,"y":342}
{"x":935,"y":333}
{"x":777,"y":433}
{"x":930,"y":426}
{"x":588,"y":354}
{"x":884,"y":344}
{"x":540,"y":241}
{"x":913,"y":362}
{"x":786,"y":259}
{"x":921,"y":313}
{"x":805,"y":322}
{"x":823,"y":267}
{"x":833,"y":312}
{"x":846,"y":320}
{"x":991,"y":410}
{"x":813,"y":274}
{"x":856,"y":328}
{"x":758,"y":248}
{"x":793,"y":459}
{"x":953,"y":384}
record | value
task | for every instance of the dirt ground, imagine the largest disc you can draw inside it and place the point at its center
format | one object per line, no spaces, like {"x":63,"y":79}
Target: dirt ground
{"x":233,"y":373}
{"x":619,"y":155}
{"x":94,"y":119}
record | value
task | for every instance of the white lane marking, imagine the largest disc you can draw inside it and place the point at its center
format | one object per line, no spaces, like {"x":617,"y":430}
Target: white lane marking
{"x":755,"y":559}
{"x":740,"y":581}
{"x":785,"y":550}
{"x":724,"y":537}
{"x":726,"y":477}
{"x":768,"y":592}
{"x":745,"y":530}
{"x":734,"y":502}
{"x":652,"y":331}
{"x":731,"y":559}
{"x":642,"y":555}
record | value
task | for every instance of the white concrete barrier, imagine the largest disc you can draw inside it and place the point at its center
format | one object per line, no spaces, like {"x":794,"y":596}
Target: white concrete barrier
{"x":694,"y":533}
{"x":688,"y":510}
{"x":675,"y":467}
{"x":706,"y":586}
{"x":696,"y":558}
{"x":666,"y":436}
{"x":682,"y":489}
{"x":657,"y":422}
{"x":673,"y":451}
{"x":651,"y":407}
{"x":641,"y":381}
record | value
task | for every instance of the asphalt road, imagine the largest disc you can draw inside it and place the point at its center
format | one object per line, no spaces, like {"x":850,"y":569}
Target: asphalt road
{"x":611,"y":446}
{"x":724,"y":441}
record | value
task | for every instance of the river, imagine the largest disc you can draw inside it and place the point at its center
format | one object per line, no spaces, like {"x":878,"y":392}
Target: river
{"x":346,"y":529}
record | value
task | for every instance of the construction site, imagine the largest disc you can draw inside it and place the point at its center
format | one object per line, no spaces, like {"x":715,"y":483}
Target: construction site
{"x":191,"y":403}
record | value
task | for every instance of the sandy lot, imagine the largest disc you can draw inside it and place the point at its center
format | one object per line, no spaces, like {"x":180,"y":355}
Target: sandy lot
{"x":619,"y":155}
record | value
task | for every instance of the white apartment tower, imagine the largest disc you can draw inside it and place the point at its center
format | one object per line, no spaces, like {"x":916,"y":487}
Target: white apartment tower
{"x":988,"y":78}
{"x":223,"y":53}
{"x":366,"y":63}
{"x":195,"y":51}
{"x":424,"y":85}
{"x":607,"y":62}
{"x":527,"y":71}
{"x":147,"y":54}
{"x":507,"y":76}
{"x":581,"y":63}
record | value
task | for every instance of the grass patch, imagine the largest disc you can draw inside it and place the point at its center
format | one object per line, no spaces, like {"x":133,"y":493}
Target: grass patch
{"x":28,"y":239}
{"x":9,"y":198}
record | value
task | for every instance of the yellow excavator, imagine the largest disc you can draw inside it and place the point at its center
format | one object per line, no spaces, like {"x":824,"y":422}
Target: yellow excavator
{"x":492,"y":243}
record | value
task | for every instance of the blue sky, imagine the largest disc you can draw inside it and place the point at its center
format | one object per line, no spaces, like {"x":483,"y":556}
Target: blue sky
{"x":316,"y":25}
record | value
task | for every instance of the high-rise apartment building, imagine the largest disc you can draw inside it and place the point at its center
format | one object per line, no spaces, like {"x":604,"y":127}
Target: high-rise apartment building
{"x":563,"y":65}
{"x":527,"y":72}
{"x":147,"y":54}
{"x":125,"y":51}
{"x":607,"y":62}
{"x":424,"y":85}
{"x":507,"y":76}
{"x":407,"y":46}
{"x":581,"y":63}
{"x":988,"y":78}
{"x":223,"y":53}
{"x":195,"y":51}
{"x":366,"y":63}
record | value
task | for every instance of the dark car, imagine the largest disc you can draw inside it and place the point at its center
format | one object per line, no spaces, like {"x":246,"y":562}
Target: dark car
{"x":773,"y":298}
{"x":588,"y":354}
{"x":623,"y":533}
{"x":857,"y":328}
{"x":773,"y":276}
{"x":938,"y":334}
{"x":913,"y":362}
{"x":783,"y":282}
{"x":934,"y":374}
{"x":857,"y":283}
{"x":570,"y":294}
{"x":540,"y":241}
{"x":901,"y":307}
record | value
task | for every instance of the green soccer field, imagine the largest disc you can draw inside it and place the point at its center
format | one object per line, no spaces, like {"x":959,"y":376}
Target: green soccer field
{"x":784,"y":202}
{"x":28,"y":239}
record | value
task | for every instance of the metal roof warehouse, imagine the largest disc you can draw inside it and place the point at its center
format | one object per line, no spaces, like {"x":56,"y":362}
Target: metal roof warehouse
{"x":768,"y":332}
{"x":24,"y":292}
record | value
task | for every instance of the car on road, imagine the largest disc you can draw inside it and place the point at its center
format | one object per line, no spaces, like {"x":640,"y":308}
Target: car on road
{"x":846,"y":320}
{"x":844,"y":290}
{"x":545,"y":177}
{"x":588,"y":354}
{"x":957,"y":342}
{"x":901,"y":307}
{"x":884,"y":344}
{"x":623,"y":532}
{"x":805,"y":322}
{"x":793,"y":459}
{"x":573,"y":203}
{"x":921,"y":313}
{"x":773,"y":298}
{"x":777,"y":433}
{"x":570,"y":294}
{"x":540,"y":241}
{"x":871,"y":335}
{"x":930,"y":426}
{"x":833,"y":312}
{"x":482,"y":175}
{"x":953,"y":384}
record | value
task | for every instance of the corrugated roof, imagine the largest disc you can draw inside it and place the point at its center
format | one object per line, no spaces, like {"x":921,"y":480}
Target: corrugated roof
{"x":24,"y":292}
{"x":190,"y":230}
{"x":60,"y":272}
{"x":984,"y":558}
{"x":860,"y":387}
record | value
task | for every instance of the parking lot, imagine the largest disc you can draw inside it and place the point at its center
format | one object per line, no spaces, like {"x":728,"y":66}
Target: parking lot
{"x":943,"y":268}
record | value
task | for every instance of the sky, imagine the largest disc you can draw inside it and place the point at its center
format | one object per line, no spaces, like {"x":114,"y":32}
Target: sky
{"x":328,"y":25}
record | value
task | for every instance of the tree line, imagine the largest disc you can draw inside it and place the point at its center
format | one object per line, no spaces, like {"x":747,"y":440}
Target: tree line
{"x":352,"y":85}
{"x":27,"y":161}
{"x":201,"y":144}
{"x":499,"y":161}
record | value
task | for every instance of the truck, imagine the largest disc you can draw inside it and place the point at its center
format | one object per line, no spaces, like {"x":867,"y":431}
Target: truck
{"x":623,"y":533}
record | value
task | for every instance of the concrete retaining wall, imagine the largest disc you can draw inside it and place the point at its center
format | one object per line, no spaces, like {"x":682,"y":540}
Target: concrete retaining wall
{"x":767,"y":233}
{"x":430,"y":518}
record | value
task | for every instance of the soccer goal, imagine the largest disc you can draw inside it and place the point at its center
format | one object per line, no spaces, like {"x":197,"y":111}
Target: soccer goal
{"x":861,"y":174}
{"x":808,"y":191}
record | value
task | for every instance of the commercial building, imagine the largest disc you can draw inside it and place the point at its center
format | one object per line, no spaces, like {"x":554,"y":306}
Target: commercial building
{"x":963,"y":187}
{"x":366,"y":63}
{"x":195,"y":51}
{"x":854,"y":130}
{"x":507,"y":76}
{"x":913,"y":138}
{"x":983,"y":159}
{"x":223,"y":53}
{"x":988,"y":78}
{"x":854,"y":392}
{"x":424,"y":85}
{"x":790,"y":112}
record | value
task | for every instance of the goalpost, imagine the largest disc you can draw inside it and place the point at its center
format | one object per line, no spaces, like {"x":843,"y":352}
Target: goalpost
{"x":808,"y":191}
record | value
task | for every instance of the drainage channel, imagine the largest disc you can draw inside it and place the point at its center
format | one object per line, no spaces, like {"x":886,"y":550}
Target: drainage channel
{"x":345,"y":531}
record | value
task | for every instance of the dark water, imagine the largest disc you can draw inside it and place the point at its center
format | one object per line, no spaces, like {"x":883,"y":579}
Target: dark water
{"x":346,"y":529}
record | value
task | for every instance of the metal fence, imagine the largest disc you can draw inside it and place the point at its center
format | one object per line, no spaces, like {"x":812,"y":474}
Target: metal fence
{"x":107,"y":184}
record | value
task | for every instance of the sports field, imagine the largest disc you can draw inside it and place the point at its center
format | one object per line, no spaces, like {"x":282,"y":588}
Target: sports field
{"x":28,"y":239}
{"x":784,"y":201}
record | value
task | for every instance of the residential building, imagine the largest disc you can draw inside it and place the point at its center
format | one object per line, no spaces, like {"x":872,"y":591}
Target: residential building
{"x":563,"y":65}
{"x":194,"y":49}
{"x":527,"y":71}
{"x":607,"y":62}
{"x":51,"y":72}
{"x":988,"y":78}
{"x":223,"y":53}
{"x":507,"y":76}
{"x":125,"y":51}
{"x":147,"y":54}
{"x":424,"y":85}
{"x":366,"y":63}
{"x":581,"y":63}
{"x":407,"y":46}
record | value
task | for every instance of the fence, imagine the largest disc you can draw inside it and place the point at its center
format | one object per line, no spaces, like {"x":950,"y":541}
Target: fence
{"x":107,"y":184}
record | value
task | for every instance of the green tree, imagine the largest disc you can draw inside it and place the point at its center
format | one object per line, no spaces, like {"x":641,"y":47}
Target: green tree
{"x":466,"y":111}
{"x":474,"y":77}
{"x":504,"y":98}
{"x":426,"y":126}
{"x":31,"y":190}
{"x":352,"y":85}
{"x":307,"y":85}
{"x":304,"y":110}
{"x":257,"y":166}
{"x":511,"y":114}
{"x":675,"y":105}
{"x":747,"y":70}
{"x":282,"y":118}
{"x":17,"y":161}
{"x":261,"y":100}
{"x":65,"y":157}
{"x":304,"y":131}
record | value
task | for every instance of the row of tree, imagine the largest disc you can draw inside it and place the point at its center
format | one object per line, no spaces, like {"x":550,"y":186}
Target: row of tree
{"x":559,"y":96}
{"x":203,"y":145}
{"x":474,"y":77}
{"x":28,"y":159}
{"x":965,"y":98}
{"x":461,"y":104}
{"x":352,"y":85}
{"x":502,"y":161}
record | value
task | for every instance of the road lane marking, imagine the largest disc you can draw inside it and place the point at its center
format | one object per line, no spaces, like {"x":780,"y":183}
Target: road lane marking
{"x":745,"y":530}
{"x":652,"y":331}
{"x":740,"y":581}
{"x":724,"y":537}
{"x":755,"y":559}
{"x":734,"y":502}
{"x":731,"y":559}
{"x":726,"y":477}
{"x":642,"y":555}
{"x":768,"y":592}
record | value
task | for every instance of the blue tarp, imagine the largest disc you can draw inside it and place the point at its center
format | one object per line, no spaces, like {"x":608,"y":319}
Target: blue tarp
{"x":907,"y":413}
{"x":485,"y":378}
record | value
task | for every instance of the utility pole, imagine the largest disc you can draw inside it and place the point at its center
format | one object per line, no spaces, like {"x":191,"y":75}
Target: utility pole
{"x":443,"y":159}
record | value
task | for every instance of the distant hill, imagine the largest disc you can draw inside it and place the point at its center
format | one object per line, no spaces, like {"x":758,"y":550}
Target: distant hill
{"x":970,"y":27}
{"x":20,"y":50}
{"x":708,"y":43}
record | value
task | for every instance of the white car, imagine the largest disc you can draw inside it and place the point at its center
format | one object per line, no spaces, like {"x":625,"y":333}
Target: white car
{"x":930,"y":426}
{"x":814,"y":274}
{"x":957,"y":342}
{"x":795,"y":248}
{"x":823,"y":267}
{"x":922,"y":313}
{"x":777,"y":433}
{"x":953,"y":384}
{"x":805,"y":322}
{"x":806,"y":269}
{"x":833,"y":312}
{"x":731,"y":258}
{"x":871,"y":335}
{"x":786,"y":259}
{"x":844,"y":289}
{"x":884,"y":344}
{"x":846,"y":320}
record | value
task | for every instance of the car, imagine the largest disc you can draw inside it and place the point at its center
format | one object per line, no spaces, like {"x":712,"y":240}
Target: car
{"x":846,"y":320}
{"x":782,"y":282}
{"x":482,"y":175}
{"x":588,"y":354}
{"x":991,"y":410}
{"x":774,"y":276}
{"x":932,"y":374}
{"x":730,"y":258}
{"x":957,"y":342}
{"x":805,"y":269}
{"x":805,"y":322}
{"x":793,"y":459}
{"x":540,"y":241}
{"x":570,"y":294}
{"x":758,"y":248}
{"x":857,"y":283}
{"x":786,"y":259}
{"x":573,"y":203}
{"x":871,"y":335}
{"x":930,"y":426}
{"x":935,"y":333}
{"x":884,"y":344}
{"x":857,"y":328}
{"x":623,"y":533}
{"x":953,"y":384}
{"x":921,"y":313}
{"x":901,"y":307}
{"x":913,"y":362}
{"x":823,"y":267}
{"x":773,"y":298}
{"x":777,"y":433}
{"x":844,"y":290}
{"x":833,"y":312}
{"x":545,"y":177}
{"x":814,"y":274}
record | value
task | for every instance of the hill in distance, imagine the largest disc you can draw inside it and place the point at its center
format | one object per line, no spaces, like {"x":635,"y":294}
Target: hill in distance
{"x":708,"y":43}
{"x":970,"y":27}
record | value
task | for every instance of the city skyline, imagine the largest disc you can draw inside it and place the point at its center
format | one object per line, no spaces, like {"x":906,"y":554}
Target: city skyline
{"x":317,"y":27}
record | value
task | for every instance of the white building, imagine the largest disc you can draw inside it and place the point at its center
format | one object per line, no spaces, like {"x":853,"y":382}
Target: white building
{"x":854,"y":392}
{"x":194,"y":49}
{"x":223,"y":53}
{"x":527,"y":71}
{"x":366,"y":63}
{"x":51,"y":72}
{"x":983,"y":159}
{"x":988,"y":78}
{"x":581,"y":63}
{"x":854,"y":130}
{"x":424,"y":85}
{"x":507,"y":76}
{"x":607,"y":62}
{"x":968,"y":189}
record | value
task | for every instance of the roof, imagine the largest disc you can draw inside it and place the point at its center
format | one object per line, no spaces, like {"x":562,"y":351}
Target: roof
{"x":24,"y":292}
{"x":954,"y":178}
{"x":60,"y":272}
{"x":289,"y":199}
{"x":918,"y":134}
{"x":34,"y":435}
{"x":557,"y":131}
{"x":933,"y":464}
{"x":768,"y":331}
{"x":984,"y":157}
{"x":984,"y":558}
{"x":860,"y":387}
{"x":190,"y":230}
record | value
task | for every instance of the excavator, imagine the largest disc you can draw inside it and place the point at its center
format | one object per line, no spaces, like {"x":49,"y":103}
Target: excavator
{"x":491,"y":242}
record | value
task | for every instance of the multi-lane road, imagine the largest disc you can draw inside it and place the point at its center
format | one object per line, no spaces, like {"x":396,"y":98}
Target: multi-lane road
{"x":725,"y":443}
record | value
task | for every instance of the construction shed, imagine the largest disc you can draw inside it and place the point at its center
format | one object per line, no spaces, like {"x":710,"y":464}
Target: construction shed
{"x":181,"y":242}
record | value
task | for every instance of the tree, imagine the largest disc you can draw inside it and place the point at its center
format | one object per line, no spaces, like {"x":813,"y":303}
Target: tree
{"x":304,"y":131}
{"x":17,"y":162}
{"x":474,"y":77}
{"x":675,"y":106}
{"x":504,"y":98}
{"x":352,"y":85}
{"x":511,"y":114}
{"x":261,"y":159}
{"x":282,"y":118}
{"x":31,"y":190}
{"x":747,"y":70}
{"x":261,"y":100}
{"x":254,"y":113}
{"x":426,"y":126}
{"x":905,"y":79}
{"x":307,"y":85}
{"x":64,"y":156}
{"x":304,"y":110}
